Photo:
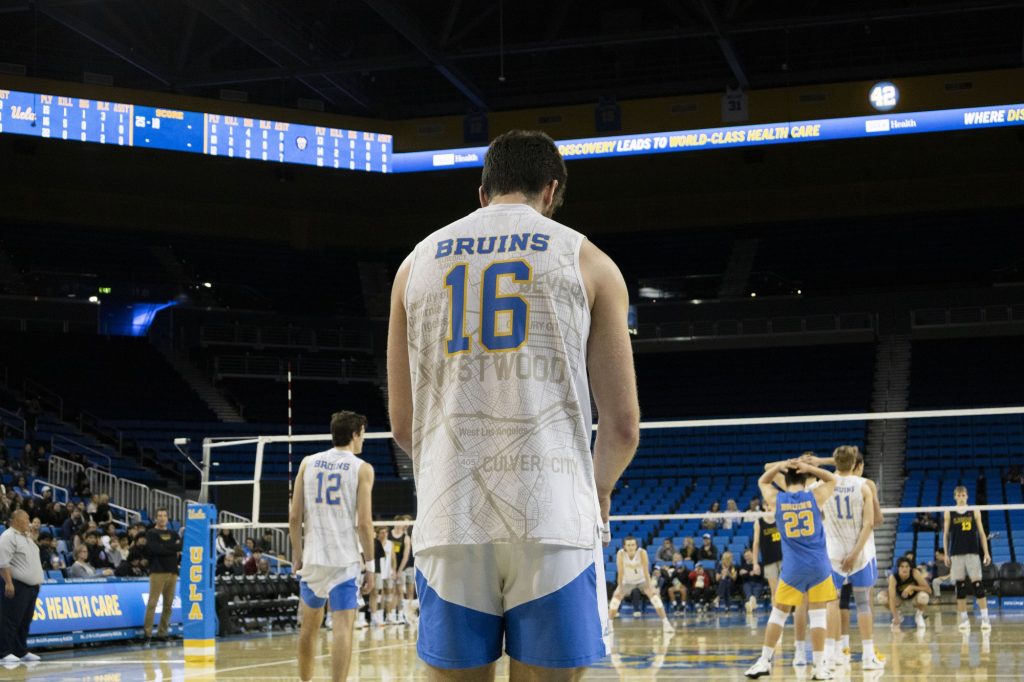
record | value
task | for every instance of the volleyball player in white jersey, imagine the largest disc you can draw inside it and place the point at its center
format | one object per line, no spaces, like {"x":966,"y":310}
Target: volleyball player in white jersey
{"x":849,"y":520}
{"x":495,"y":320}
{"x":329,"y":520}
{"x":634,"y":573}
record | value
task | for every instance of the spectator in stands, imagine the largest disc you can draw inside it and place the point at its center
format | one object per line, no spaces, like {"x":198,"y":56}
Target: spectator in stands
{"x":707,"y":552}
{"x":730,"y":506}
{"x":97,"y":555}
{"x":701,"y":588}
{"x":132,"y":566}
{"x":20,"y":487}
{"x":102,"y":514}
{"x":31,"y":507}
{"x":72,"y":525}
{"x":725,"y":581}
{"x":28,"y":456}
{"x":709,"y":523}
{"x":48,"y":555}
{"x":249,"y":546}
{"x":42,"y":462}
{"x":666,"y":551}
{"x":34,"y":528}
{"x":82,"y":488}
{"x":113,"y":550}
{"x":46,"y":495}
{"x":266,"y":544}
{"x":253,"y":564}
{"x":230,"y":566}
{"x":1014,"y":475}
{"x":59,"y":514}
{"x":263,"y":568}
{"x":22,"y":575}
{"x":940,"y":573}
{"x":751,"y":581}
{"x":927,"y":523}
{"x":30,"y":410}
{"x":109,"y":537}
{"x":225,"y":542}
{"x":688,"y":550}
{"x":83,"y":568}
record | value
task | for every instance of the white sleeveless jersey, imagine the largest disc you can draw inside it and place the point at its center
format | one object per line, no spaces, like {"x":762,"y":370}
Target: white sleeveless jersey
{"x":632,"y":569}
{"x":330,"y":484}
{"x":498,"y":322}
{"x":843,"y":519}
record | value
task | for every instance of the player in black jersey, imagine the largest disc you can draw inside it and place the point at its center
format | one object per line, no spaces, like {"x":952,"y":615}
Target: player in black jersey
{"x":966,"y":546}
{"x":906,"y":585}
{"x":767,"y":549}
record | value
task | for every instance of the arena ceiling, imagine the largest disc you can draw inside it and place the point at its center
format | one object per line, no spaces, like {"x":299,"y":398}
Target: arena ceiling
{"x":407,"y":58}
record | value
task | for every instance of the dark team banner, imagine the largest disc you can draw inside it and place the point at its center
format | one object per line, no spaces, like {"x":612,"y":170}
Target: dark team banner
{"x":878,"y":125}
{"x":130,"y":125}
{"x":104,"y":604}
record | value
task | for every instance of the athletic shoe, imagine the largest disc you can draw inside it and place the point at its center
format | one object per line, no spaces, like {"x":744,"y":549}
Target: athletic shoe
{"x":10,"y":658}
{"x":637,"y":614}
{"x":360,"y":621}
{"x":964,"y":626}
{"x":874,"y":663}
{"x":799,"y":658}
{"x":751,"y":604}
{"x":841,"y":658}
{"x":377,"y":620}
{"x":919,"y":621}
{"x":760,"y":668}
{"x":666,"y":627}
{"x":29,"y":658}
{"x":823,"y":673}
{"x":986,"y":626}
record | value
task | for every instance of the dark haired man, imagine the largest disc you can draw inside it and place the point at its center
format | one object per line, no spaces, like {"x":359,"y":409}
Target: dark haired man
{"x":163,"y":548}
{"x":495,"y":320}
{"x":330,"y":519}
{"x":806,"y":569}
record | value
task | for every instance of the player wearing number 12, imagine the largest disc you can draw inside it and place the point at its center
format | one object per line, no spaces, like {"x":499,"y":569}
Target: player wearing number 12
{"x":495,"y":321}
{"x":805,"y":564}
{"x":330,"y":518}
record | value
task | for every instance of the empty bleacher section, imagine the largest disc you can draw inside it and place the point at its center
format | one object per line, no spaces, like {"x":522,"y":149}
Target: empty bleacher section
{"x":887,"y":254}
{"x":979,"y":372}
{"x":765,"y":381}
{"x":977,"y":452}
{"x":111,"y":377}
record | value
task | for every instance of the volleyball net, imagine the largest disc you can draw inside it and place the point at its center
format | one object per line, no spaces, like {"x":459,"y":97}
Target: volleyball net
{"x":683,"y":468}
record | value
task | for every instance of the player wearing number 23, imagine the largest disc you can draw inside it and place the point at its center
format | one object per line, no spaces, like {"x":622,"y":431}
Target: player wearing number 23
{"x":805,"y":563}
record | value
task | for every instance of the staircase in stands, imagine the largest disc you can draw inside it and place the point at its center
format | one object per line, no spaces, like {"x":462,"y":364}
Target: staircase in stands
{"x":737,"y":272}
{"x":887,"y":439}
{"x":225,"y":411}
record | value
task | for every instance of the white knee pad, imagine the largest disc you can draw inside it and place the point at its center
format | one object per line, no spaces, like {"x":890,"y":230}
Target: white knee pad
{"x":778,"y":617}
{"x":882,"y":598}
{"x":613,"y":605}
{"x":862,"y":595}
{"x":656,"y":601}
{"x":921,"y":599}
{"x":817,"y":618}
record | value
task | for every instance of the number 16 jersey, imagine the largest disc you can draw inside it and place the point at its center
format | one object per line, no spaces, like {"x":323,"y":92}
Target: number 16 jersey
{"x":498,"y":322}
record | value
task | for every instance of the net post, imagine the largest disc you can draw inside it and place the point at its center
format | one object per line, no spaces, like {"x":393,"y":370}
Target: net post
{"x":257,"y":477}
{"x":289,"y":429}
{"x":204,"y":474}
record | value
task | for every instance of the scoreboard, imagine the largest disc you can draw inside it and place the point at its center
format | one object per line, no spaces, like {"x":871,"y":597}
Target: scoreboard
{"x":130,"y":125}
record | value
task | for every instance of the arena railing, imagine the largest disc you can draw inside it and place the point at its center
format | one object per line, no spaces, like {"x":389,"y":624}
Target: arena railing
{"x":60,"y":494}
{"x":13,"y":419}
{"x":57,"y":445}
{"x":63,"y":472}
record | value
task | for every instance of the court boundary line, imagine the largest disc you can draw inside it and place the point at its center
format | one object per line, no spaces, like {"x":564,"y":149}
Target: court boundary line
{"x":267,"y":664}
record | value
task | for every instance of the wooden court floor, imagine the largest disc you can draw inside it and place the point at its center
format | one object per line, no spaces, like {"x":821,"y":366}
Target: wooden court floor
{"x":707,"y":647}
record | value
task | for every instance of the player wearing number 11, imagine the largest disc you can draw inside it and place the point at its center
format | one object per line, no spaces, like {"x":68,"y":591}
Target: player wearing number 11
{"x":332,"y":496}
{"x":805,"y":564}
